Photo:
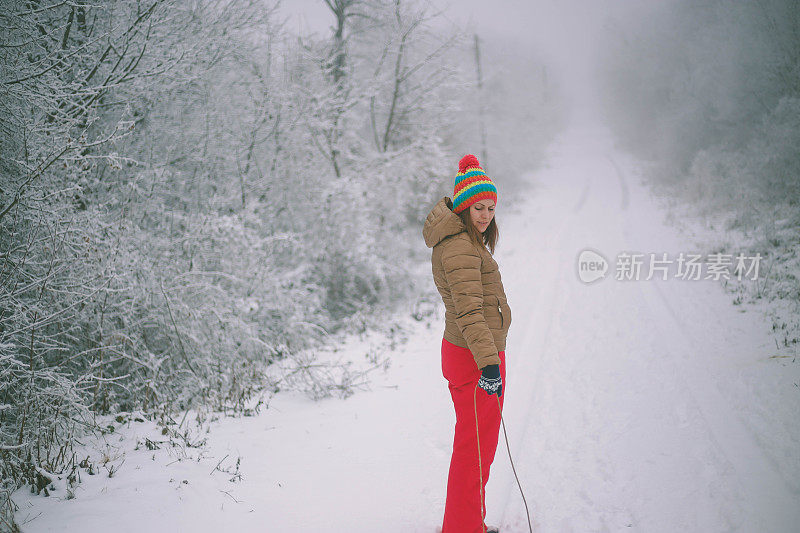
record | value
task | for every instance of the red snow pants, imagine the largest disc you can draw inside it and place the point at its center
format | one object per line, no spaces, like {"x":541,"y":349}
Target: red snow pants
{"x":465,"y":495}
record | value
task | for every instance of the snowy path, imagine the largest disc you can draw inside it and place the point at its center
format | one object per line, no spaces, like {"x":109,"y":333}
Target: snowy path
{"x":625,"y":424}
{"x":631,"y":406}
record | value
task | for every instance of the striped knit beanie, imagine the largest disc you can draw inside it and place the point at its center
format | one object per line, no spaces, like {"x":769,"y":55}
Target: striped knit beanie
{"x":472,"y":184}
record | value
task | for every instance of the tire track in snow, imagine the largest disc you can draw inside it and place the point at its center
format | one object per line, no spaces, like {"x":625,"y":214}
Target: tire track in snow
{"x":772,"y":505}
{"x":554,"y":462}
{"x":536,"y":341}
{"x":623,"y":184}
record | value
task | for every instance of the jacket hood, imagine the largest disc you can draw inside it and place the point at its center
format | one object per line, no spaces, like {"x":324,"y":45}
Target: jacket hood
{"x":441,"y":223}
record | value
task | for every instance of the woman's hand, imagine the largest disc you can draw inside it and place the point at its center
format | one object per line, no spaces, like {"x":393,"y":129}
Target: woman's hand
{"x":491,"y":381}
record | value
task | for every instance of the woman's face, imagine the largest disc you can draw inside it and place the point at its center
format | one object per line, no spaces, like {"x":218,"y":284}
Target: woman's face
{"x":482,"y":213}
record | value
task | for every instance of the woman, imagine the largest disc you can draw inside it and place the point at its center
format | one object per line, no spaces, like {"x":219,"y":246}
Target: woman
{"x":477,"y":317}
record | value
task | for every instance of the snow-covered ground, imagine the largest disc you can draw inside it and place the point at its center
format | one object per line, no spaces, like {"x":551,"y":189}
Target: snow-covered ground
{"x":631,"y":405}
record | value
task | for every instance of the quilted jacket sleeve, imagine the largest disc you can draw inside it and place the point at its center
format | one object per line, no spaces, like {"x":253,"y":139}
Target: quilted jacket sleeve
{"x":462,"y":269}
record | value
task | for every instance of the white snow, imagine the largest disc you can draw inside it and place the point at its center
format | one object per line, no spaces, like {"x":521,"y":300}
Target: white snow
{"x":631,"y":405}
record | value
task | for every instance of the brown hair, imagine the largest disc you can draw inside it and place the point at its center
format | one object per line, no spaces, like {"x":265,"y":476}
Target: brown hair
{"x":489,"y":237}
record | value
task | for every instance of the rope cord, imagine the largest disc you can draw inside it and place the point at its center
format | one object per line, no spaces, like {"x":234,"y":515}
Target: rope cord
{"x":508,"y":448}
{"x":480,"y":465}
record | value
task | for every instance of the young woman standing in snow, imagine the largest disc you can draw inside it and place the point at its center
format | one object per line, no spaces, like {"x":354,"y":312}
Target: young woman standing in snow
{"x":477,"y":317}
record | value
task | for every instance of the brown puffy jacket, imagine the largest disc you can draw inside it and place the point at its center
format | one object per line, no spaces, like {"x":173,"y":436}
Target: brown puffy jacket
{"x":477,"y":315}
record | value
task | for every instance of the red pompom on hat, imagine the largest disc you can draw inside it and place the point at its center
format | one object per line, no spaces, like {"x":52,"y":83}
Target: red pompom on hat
{"x":468,"y":161}
{"x":472,"y":184}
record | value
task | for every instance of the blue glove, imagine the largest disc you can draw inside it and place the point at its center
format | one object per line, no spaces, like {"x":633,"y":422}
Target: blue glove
{"x":491,"y":381}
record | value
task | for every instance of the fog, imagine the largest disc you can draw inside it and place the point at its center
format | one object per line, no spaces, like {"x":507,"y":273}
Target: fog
{"x":199,"y":200}
{"x":566,"y":35}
